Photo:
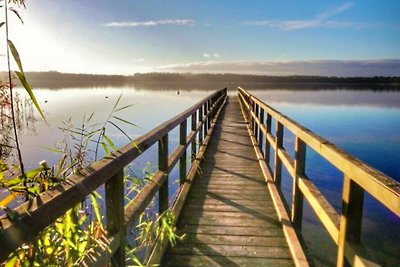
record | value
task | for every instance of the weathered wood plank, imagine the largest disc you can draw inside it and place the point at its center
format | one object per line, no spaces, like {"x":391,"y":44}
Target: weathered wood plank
{"x":223,"y":261}
{"x":233,"y":250}
{"x":229,"y":212}
{"x":231,"y":230}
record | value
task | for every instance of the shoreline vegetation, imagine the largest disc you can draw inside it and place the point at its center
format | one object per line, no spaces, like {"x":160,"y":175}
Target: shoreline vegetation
{"x":58,"y":80}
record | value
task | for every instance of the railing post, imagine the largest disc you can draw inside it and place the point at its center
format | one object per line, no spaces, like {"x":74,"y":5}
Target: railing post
{"x":182,"y":160}
{"x":297,"y":196}
{"x":205,"y":111}
{"x":194,"y":122}
{"x":163,"y":166}
{"x":201,"y":128}
{"x":260,"y":132}
{"x":267,"y":144}
{"x":278,"y":162}
{"x":209,"y":105}
{"x":256,"y":126}
{"x":351,"y":217}
{"x":114,"y":191}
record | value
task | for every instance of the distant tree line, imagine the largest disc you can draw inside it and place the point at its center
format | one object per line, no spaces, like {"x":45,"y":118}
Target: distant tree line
{"x":53,"y":79}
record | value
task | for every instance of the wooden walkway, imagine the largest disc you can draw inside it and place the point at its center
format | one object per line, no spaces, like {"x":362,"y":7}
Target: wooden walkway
{"x":229,"y":218}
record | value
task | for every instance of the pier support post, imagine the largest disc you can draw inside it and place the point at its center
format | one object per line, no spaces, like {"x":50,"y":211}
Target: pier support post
{"x":114,"y":191}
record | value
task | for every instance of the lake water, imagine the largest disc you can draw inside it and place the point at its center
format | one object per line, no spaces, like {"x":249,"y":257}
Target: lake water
{"x":364,"y":123}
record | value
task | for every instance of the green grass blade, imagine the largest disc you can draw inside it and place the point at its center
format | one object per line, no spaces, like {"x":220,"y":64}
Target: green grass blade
{"x":15,"y":54}
{"x":125,"y":121}
{"x":116,"y":103}
{"x":28,"y":88}
{"x":109,"y":141}
{"x":125,"y":107}
{"x":122,"y":131}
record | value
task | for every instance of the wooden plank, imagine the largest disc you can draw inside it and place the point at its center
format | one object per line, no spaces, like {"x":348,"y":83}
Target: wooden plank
{"x":248,"y":240}
{"x":231,"y":230}
{"x":156,"y":255}
{"x":217,"y":261}
{"x":220,"y":203}
{"x":233,"y":251}
{"x":296,"y":250}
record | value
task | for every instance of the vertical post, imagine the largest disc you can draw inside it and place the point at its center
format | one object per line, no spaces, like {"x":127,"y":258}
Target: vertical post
{"x":297,"y":196}
{"x":206,"y":118}
{"x":209,"y":117}
{"x":194,"y":122}
{"x":267,"y":144}
{"x":250,"y":116}
{"x":182,"y":160}
{"x":163,"y":166}
{"x":351,"y":217}
{"x":206,"y":122}
{"x":256,"y":126}
{"x":201,"y":128}
{"x":260,"y":133}
{"x":278,"y":162}
{"x":114,"y":190}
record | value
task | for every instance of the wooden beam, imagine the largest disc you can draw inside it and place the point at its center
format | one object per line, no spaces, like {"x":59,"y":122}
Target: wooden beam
{"x":182,"y":142}
{"x":163,"y":166}
{"x":114,"y":190}
{"x":278,"y":162}
{"x":297,"y":196}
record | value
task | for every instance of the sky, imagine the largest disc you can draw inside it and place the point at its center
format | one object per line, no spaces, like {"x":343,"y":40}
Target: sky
{"x":308,"y":37}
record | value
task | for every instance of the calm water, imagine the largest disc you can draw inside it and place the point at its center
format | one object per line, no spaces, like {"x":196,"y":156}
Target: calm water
{"x":364,"y":123}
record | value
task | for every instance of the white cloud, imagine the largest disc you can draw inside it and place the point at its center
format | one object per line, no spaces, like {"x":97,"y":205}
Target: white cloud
{"x":211,"y":55}
{"x":342,"y":68}
{"x":150,"y":23}
{"x":138,"y":60}
{"x":320,"y":20}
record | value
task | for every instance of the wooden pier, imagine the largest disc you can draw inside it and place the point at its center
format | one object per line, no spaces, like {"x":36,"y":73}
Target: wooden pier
{"x":229,"y":218}
{"x":229,"y":203}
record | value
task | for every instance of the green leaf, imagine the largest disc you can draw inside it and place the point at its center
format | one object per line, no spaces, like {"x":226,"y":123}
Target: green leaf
{"x":125,"y":107}
{"x":96,"y":209}
{"x":125,"y":121}
{"x":14,"y":181}
{"x":116,"y":126}
{"x":116,"y":103}
{"x":105,"y":148}
{"x":110,"y":143}
{"x":15,"y":54}
{"x":28,"y":88}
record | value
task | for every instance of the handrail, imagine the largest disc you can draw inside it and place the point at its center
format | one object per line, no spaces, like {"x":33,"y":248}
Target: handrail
{"x":344,"y":229}
{"x":33,"y":216}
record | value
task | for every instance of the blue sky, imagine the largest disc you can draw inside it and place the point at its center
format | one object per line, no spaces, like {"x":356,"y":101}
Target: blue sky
{"x":344,"y":38}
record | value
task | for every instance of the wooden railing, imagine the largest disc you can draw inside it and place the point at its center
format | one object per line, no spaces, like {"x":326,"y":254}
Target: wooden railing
{"x":32,"y":217}
{"x":344,"y":229}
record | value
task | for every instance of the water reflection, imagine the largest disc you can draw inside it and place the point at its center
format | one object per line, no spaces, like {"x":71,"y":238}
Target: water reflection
{"x":367,"y":98}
